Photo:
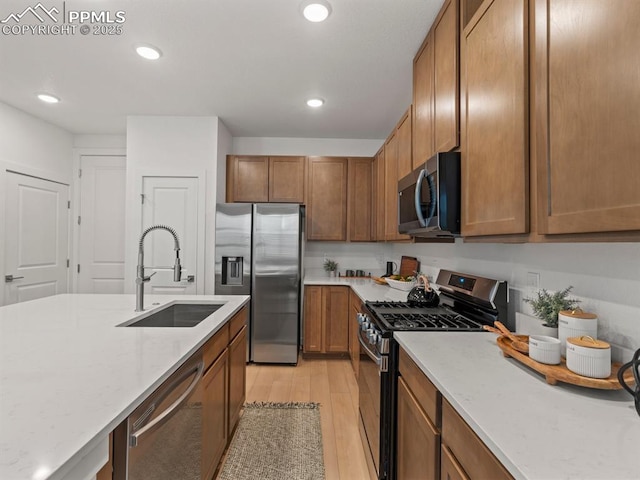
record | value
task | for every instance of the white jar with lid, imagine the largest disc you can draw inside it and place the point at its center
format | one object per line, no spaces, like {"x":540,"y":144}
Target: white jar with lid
{"x":589,"y":357}
{"x":575,"y":323}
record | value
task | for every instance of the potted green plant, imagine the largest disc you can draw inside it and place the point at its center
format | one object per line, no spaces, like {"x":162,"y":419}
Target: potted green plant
{"x":330,"y":267}
{"x":546,"y":305}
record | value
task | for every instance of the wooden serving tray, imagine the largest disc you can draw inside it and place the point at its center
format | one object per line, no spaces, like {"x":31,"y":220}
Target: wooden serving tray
{"x":560,"y":373}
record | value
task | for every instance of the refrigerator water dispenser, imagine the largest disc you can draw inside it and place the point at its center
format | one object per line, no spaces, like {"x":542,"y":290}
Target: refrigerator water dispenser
{"x":232,"y":270}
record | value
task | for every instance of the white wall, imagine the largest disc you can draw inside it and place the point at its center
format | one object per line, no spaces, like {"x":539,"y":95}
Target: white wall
{"x":369,"y":257}
{"x":172,"y":146}
{"x":34,"y":147}
{"x":225,"y":147}
{"x":100,"y":141}
{"x":338,"y":147}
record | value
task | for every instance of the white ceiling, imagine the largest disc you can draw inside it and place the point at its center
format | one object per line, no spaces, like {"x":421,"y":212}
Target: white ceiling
{"x":253,"y":63}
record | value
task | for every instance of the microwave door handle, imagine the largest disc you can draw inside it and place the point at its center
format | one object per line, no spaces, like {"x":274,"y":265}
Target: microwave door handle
{"x":198,"y":370}
{"x":432,"y":197}
{"x":418,"y":206}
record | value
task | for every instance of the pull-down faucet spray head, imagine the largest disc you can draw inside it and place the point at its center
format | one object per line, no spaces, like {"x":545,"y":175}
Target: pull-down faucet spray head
{"x":141,"y":278}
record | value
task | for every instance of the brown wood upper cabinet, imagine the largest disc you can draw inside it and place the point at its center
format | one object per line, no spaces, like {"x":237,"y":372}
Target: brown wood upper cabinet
{"x":446,"y":41}
{"x":436,"y":87}
{"x":379,"y":193}
{"x":265,"y":179}
{"x":327,"y":198}
{"x":391,"y":177}
{"x":423,"y":91}
{"x":495,"y":146}
{"x":360,"y":190}
{"x":587,"y":103}
{"x":405,"y":165}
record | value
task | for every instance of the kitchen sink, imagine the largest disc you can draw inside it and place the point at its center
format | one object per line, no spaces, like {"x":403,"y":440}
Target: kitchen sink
{"x":177,"y":315}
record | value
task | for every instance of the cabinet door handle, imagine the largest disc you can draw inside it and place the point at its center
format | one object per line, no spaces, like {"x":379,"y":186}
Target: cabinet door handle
{"x":10,"y":278}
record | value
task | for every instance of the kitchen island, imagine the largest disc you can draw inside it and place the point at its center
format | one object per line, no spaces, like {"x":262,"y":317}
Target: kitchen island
{"x":536,"y":430}
{"x":69,"y":375}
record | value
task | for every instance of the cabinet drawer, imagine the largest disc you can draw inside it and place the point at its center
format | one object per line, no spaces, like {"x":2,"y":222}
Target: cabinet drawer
{"x":449,"y":467}
{"x":215,"y":346}
{"x":425,"y":392}
{"x":238,"y":321}
{"x":472,"y":454}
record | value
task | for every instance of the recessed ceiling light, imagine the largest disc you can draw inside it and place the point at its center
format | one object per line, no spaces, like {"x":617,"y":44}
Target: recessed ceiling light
{"x":148,"y":52}
{"x":45,"y":97}
{"x":315,"y":102}
{"x":316,"y":10}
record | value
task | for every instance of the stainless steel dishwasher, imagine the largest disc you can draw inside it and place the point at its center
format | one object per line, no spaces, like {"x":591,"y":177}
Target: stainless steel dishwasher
{"x":162,"y":438}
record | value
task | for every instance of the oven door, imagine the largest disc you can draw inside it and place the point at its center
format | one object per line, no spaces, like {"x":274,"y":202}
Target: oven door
{"x":374,"y":391}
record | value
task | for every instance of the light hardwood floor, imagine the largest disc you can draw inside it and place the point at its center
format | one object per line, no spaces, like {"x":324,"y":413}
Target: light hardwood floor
{"x":332,"y":384}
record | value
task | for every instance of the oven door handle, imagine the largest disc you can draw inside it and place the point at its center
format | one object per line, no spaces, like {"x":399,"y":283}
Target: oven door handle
{"x":380,"y":360}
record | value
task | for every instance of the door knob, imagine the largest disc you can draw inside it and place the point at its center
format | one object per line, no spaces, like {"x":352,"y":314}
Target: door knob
{"x":191,"y":278}
{"x":10,"y":278}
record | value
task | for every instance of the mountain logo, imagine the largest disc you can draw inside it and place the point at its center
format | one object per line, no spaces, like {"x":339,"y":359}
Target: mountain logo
{"x":39,"y":11}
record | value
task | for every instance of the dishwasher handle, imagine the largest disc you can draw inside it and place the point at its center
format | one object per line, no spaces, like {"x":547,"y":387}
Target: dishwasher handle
{"x":198,"y":369}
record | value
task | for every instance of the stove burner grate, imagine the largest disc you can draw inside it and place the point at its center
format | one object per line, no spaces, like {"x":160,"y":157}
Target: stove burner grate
{"x":429,"y":321}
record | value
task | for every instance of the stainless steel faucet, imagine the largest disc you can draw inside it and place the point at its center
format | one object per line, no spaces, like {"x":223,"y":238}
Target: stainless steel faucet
{"x":140,"y":278}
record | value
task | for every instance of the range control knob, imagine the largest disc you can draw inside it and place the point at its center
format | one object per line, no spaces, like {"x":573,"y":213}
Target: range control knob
{"x":370,"y":333}
{"x":365,"y":324}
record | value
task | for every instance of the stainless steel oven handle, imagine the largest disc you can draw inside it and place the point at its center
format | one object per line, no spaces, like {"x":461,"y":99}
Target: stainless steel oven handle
{"x":199,"y":369}
{"x":380,"y":360}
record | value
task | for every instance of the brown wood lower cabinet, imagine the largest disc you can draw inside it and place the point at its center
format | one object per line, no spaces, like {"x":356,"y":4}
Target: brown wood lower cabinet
{"x":214,"y":414}
{"x":355,"y":307}
{"x":418,"y":439}
{"x":326,"y":322}
{"x":449,"y":467}
{"x":468,"y":453}
{"x":237,"y":376}
{"x":418,"y":445}
{"x":433,"y":441}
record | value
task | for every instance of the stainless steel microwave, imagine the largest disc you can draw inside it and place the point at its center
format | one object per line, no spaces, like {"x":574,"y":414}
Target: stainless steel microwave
{"x":429,"y":198}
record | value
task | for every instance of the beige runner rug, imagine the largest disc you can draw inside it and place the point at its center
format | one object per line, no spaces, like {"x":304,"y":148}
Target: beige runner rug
{"x":276,"y":441}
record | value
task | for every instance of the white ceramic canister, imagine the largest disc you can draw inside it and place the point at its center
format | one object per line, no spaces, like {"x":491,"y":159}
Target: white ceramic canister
{"x":544,"y":349}
{"x":589,"y":357}
{"x":575,"y":323}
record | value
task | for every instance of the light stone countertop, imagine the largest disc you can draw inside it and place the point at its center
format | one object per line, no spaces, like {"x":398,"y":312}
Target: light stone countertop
{"x":365,"y":288}
{"x":536,"y":430}
{"x":69,"y":376}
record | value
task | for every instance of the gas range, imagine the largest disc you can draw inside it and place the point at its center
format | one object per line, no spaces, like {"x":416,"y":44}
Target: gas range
{"x":467,"y":302}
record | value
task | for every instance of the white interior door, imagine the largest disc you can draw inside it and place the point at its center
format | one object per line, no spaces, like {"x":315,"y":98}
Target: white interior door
{"x":170,"y":201}
{"x":37,"y":238}
{"x":101,"y":229}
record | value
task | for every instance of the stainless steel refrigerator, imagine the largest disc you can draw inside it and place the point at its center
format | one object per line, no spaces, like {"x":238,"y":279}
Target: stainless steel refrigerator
{"x":259,"y":252}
